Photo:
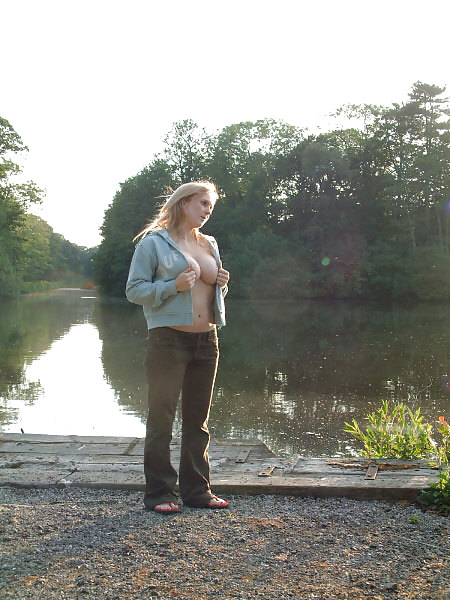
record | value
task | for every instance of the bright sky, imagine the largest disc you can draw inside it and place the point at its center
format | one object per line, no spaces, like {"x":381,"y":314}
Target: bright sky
{"x":92,"y":86}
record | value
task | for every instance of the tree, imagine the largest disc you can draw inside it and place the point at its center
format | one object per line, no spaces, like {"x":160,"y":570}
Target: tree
{"x":15,"y":198}
{"x":361,"y":210}
{"x":134,"y":205}
{"x":185,"y":151}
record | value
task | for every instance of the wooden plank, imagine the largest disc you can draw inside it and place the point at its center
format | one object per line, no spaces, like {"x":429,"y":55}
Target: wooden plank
{"x":232,"y":482}
{"x":243,"y":455}
{"x":34,"y":458}
{"x":328,"y":465}
{"x":104,"y":476}
{"x":267,"y":471}
{"x":372,"y":471}
{"x":112,"y":469}
{"x":232,"y":449}
{"x":31,"y":477}
{"x":238,"y":442}
{"x":322,"y":488}
{"x":56,"y":439}
{"x":116,"y":463}
{"x":277,"y":485}
{"x":64,"y":448}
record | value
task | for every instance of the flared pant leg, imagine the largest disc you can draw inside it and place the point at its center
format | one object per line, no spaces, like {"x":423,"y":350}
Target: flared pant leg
{"x":197,"y":392}
{"x":179,"y":361}
{"x":165,"y":366}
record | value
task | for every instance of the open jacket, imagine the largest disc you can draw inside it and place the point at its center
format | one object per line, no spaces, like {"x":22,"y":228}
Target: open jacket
{"x":156,"y":263}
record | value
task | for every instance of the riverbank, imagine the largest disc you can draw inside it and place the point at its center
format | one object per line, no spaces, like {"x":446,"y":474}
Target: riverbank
{"x":101,"y":544}
{"x":238,"y":466}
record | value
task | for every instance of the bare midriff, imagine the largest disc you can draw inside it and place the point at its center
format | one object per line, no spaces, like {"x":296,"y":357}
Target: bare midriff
{"x":203,"y":292}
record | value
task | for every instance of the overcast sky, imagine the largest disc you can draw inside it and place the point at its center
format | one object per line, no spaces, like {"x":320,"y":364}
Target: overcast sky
{"x":92,"y":86}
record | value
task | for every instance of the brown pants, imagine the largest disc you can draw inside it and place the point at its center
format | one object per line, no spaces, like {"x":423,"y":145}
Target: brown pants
{"x":179,"y":361}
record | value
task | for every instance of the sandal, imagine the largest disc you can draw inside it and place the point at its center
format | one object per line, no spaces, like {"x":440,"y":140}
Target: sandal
{"x":166,"y":508}
{"x":215,"y":502}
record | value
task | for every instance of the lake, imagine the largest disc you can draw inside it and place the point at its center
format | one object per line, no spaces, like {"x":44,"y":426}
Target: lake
{"x":290,"y":373}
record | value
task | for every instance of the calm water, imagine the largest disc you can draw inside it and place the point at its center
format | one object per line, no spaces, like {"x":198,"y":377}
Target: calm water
{"x":290,"y":373}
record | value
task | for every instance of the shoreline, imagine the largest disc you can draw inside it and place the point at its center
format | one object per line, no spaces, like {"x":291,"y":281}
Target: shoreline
{"x":238,"y":466}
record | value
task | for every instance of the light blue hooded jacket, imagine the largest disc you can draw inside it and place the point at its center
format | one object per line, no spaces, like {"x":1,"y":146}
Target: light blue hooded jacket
{"x":156,"y":262}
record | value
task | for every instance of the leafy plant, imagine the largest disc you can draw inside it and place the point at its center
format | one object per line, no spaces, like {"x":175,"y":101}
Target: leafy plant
{"x":400,"y":433}
{"x":437,"y":494}
{"x":443,"y":450}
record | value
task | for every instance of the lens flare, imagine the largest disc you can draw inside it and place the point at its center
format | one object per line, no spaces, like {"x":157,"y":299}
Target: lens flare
{"x":447,"y":206}
{"x":325,"y":261}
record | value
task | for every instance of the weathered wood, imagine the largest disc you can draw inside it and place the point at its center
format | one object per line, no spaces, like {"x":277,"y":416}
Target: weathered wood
{"x":57,"y":439}
{"x":116,"y":463}
{"x":372,"y":471}
{"x":304,"y":466}
{"x":65,"y":448}
{"x":31,"y":477}
{"x":243,"y":455}
{"x":267,"y":471}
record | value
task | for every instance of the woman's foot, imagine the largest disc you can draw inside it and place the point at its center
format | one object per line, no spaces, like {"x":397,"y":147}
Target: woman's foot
{"x":166,"y":508}
{"x":216,"y":502}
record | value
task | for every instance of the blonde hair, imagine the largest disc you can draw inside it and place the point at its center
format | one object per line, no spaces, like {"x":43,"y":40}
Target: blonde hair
{"x":170,"y":214}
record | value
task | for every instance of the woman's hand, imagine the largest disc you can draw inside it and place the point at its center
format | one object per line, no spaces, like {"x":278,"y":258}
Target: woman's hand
{"x":222,"y":277}
{"x":186,"y":279}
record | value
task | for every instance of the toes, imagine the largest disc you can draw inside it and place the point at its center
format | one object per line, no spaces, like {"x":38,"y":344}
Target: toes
{"x":216,"y":502}
{"x":166,"y":507}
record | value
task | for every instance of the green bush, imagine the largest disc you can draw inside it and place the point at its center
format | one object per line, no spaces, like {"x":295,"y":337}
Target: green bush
{"x":430,"y":274}
{"x":400,"y":433}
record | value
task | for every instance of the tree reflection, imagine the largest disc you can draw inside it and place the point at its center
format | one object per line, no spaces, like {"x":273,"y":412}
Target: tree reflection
{"x":28,"y":326}
{"x":292,"y":373}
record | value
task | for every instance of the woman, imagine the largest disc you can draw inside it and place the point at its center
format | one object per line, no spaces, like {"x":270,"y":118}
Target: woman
{"x":177,"y":276}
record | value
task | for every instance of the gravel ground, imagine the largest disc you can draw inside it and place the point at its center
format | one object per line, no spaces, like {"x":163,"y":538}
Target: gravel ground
{"x":101,"y":544}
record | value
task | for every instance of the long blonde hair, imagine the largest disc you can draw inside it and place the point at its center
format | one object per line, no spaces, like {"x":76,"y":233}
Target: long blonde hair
{"x":170,"y":214}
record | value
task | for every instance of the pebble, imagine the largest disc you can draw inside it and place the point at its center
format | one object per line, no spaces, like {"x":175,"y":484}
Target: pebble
{"x":101,"y":544}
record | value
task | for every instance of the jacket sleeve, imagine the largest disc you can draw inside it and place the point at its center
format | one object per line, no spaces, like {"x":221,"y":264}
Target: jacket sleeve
{"x":214,"y":243}
{"x":141,"y":287}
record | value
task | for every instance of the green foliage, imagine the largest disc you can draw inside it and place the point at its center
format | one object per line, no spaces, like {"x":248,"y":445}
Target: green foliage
{"x":48,"y":257}
{"x":134,"y":205}
{"x":37,"y":258}
{"x":14,"y":200}
{"x":437,"y":494}
{"x":31,"y":254}
{"x":429,"y":270}
{"x":443,"y":450}
{"x":273,"y":270}
{"x":387,"y":271}
{"x":400,"y":433}
{"x":359,"y":211}
{"x":10,"y":280}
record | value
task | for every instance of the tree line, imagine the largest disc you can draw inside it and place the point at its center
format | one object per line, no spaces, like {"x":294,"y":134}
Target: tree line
{"x":32,"y":255}
{"x":359,"y":211}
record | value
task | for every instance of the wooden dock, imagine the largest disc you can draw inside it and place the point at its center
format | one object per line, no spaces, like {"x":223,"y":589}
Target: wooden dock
{"x":238,"y":466}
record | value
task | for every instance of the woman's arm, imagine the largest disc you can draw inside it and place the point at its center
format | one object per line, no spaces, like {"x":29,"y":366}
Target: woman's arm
{"x":141,"y":288}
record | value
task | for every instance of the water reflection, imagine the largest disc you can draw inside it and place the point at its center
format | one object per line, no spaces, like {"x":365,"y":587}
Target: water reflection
{"x":295,"y":373}
{"x":59,"y":386}
{"x":290,"y":374}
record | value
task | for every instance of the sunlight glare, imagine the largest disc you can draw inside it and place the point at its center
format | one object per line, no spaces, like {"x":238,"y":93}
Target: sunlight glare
{"x":79,"y":399}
